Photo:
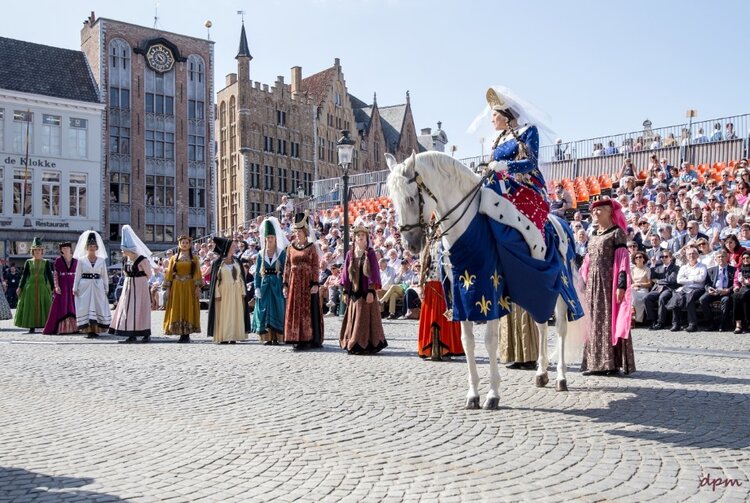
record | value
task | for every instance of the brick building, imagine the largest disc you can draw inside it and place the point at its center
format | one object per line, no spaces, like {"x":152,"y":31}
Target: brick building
{"x":158,"y":90}
{"x":265,"y":139}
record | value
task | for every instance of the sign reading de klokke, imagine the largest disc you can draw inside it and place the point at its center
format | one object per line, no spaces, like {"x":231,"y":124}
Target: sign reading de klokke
{"x":38,"y":163}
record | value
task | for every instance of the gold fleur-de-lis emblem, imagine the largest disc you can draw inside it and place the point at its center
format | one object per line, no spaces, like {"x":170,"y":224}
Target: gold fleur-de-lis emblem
{"x":565,"y":280}
{"x":504,"y":302}
{"x":484,"y":305}
{"x":572,"y":303}
{"x":468,"y":279}
{"x":495,"y":280}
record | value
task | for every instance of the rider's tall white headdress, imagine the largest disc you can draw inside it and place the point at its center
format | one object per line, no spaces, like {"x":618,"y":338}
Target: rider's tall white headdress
{"x":502,"y":98}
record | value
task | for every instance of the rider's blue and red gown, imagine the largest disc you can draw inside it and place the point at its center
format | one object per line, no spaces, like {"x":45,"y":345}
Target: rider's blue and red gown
{"x":528,"y":279}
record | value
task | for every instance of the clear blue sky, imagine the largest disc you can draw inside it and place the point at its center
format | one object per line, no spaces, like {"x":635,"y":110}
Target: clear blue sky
{"x":595,"y":67}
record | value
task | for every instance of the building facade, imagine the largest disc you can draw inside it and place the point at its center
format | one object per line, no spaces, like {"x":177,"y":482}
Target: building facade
{"x":158,"y":90}
{"x":51,"y":120}
{"x":265,"y":140}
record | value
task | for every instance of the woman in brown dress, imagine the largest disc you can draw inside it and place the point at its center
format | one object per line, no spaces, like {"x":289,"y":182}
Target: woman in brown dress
{"x":606,"y":270}
{"x":362,"y":330}
{"x":303,"y":322}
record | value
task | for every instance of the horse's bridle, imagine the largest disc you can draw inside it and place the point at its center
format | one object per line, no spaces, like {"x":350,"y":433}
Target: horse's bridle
{"x":430,"y":228}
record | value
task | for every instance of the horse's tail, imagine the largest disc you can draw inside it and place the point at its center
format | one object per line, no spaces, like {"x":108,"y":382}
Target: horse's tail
{"x":578,"y":330}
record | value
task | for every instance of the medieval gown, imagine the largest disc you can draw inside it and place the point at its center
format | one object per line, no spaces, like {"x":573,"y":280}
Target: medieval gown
{"x":182,"y":315}
{"x":362,"y":328}
{"x":605,"y":269}
{"x":228,"y":318}
{"x":270,"y":307}
{"x":303,"y":322}
{"x":527,"y":245}
{"x":62,"y":315}
{"x":432,"y":320}
{"x":36,"y":294}
{"x":132,"y":316}
{"x":90,"y":287}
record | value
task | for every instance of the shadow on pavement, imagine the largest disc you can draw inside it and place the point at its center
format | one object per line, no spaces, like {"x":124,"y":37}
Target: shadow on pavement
{"x":18,"y":483}
{"x":681,"y":417}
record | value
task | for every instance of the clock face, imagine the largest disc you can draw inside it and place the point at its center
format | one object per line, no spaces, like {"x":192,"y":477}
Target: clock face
{"x":160,"y":58}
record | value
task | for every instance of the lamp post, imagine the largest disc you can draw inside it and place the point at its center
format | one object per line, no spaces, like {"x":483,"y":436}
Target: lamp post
{"x":345,"y":147}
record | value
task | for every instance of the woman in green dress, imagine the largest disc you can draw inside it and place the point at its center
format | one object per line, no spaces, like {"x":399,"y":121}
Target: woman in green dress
{"x":35,"y":290}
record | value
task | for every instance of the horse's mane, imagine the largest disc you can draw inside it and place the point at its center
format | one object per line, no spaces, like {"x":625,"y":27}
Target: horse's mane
{"x":437,"y":165}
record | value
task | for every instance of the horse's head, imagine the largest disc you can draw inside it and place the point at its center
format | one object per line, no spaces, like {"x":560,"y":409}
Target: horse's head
{"x":413,"y":207}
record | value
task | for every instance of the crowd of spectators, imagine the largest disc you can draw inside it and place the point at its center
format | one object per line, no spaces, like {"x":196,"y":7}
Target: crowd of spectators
{"x":651,"y":141}
{"x":687,"y":242}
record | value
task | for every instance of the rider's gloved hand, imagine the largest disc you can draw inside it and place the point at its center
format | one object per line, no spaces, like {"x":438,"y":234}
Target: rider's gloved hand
{"x":498,"y":166}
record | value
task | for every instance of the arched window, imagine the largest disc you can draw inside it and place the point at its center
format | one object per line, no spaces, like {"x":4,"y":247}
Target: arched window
{"x":119,"y":74}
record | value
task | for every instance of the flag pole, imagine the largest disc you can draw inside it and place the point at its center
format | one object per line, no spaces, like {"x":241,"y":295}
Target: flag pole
{"x":27,"y":220}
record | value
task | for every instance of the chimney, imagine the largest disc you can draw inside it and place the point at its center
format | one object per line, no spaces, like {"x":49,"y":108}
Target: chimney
{"x":231,"y":79}
{"x":296,"y":80}
{"x":426,"y":131}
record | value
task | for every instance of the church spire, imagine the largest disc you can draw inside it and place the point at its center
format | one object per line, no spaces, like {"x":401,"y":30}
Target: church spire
{"x":244,"y":50}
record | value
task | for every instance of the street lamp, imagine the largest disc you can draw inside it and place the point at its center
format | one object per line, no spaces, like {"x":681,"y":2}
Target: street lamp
{"x":345,"y":147}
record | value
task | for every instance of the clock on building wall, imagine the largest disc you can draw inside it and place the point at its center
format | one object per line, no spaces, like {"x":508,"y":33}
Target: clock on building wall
{"x":160,"y":58}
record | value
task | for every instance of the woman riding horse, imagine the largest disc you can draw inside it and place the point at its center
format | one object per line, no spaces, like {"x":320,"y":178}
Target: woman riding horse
{"x":515,"y":199}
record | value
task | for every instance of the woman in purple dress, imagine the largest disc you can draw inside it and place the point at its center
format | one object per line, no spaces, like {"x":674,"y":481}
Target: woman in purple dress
{"x":62,"y":314}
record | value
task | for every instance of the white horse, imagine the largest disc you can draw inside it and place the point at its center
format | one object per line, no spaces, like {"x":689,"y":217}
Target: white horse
{"x":435,"y":182}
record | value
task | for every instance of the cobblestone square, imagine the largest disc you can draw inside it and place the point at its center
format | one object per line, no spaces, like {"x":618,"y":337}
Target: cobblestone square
{"x":89,"y":420}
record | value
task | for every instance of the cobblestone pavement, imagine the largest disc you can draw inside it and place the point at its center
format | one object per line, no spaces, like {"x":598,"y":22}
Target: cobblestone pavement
{"x":88,"y":420}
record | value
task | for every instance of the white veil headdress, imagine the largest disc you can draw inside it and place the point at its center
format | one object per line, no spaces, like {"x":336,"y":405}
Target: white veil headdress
{"x":527,"y":113}
{"x":131,"y":242}
{"x":281,"y":241}
{"x":82,"y":245}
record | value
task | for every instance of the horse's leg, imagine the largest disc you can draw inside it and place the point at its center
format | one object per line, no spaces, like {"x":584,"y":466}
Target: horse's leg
{"x":562,"y":330}
{"x":467,"y":339}
{"x":542,"y":361}
{"x":491,"y":343}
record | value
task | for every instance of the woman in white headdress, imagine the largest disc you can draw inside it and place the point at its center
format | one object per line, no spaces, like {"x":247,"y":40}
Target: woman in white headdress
{"x":132,"y":316}
{"x":93,"y":315}
{"x":268,"y":316}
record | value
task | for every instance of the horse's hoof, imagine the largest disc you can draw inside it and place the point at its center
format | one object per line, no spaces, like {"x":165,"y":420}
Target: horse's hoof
{"x":541,"y":380}
{"x":562,"y":385}
{"x":472,"y":403}
{"x":491,"y":404}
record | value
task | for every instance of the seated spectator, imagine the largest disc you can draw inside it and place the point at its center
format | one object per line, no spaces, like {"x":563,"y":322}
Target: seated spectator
{"x":664,"y":279}
{"x":741,"y":294}
{"x":332,"y":287}
{"x":581,"y":245}
{"x":560,"y":150}
{"x":656,"y":143}
{"x":562,"y":202}
{"x":627,"y":146}
{"x":716,"y":135}
{"x":670,"y":141}
{"x":638,"y":144}
{"x":743,"y":192}
{"x":387,"y":275}
{"x":611,"y":149}
{"x":641,"y":285}
{"x":396,"y":291}
{"x":633,"y":249}
{"x":718,"y":288}
{"x":578,"y":217}
{"x":701,"y":137}
{"x":705,"y":254}
{"x":626,"y":170}
{"x":598,"y":150}
{"x":687,"y":173}
{"x":412,"y":294}
{"x":693,"y":233}
{"x":692,"y":279}
{"x":729,"y":134}
{"x":744,"y":237}
{"x":734,"y":250}
{"x":154,"y":285}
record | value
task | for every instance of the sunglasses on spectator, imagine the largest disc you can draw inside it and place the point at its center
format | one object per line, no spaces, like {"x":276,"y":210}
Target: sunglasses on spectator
{"x":632,"y":246}
{"x":666,"y":256}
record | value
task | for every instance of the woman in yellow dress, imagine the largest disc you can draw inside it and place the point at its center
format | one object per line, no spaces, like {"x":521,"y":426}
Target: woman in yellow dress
{"x":183,"y":281}
{"x":228,"y":319}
